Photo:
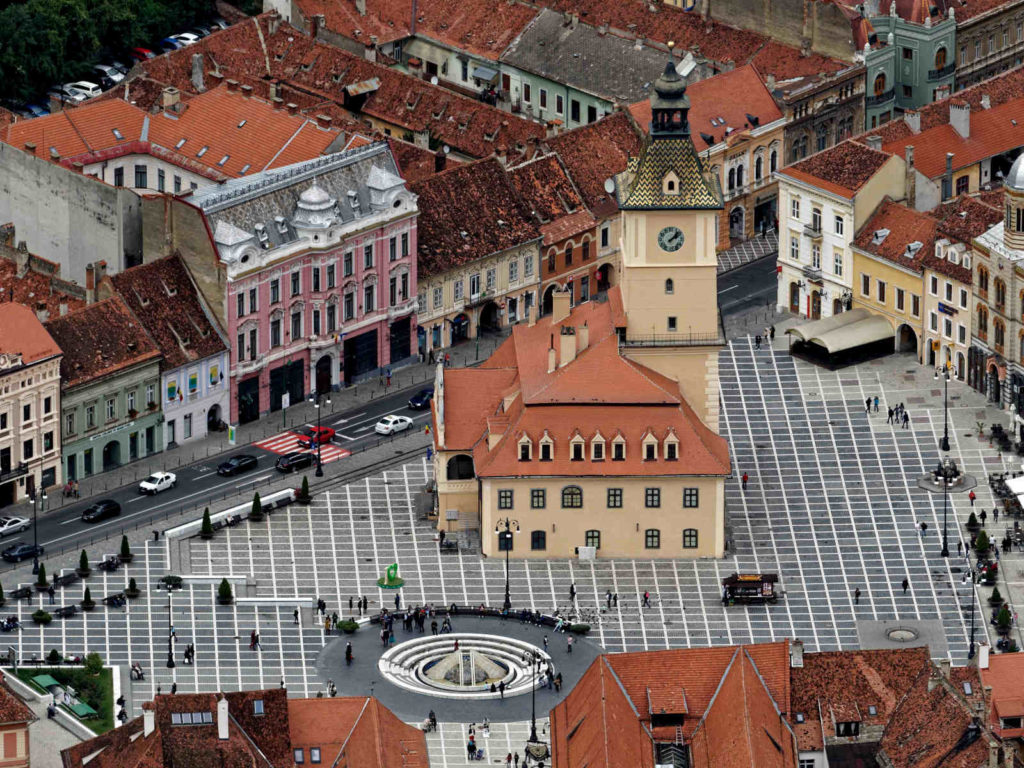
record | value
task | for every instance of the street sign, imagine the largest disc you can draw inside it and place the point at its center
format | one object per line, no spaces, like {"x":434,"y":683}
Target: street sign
{"x":286,"y":399}
{"x":232,"y":434}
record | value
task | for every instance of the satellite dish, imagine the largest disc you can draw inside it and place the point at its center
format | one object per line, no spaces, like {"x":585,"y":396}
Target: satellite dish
{"x":446,"y":149}
{"x":433,"y":80}
{"x":609,"y":185}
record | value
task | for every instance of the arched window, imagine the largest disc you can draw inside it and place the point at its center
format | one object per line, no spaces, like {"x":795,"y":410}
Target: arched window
{"x":671,"y":185}
{"x":732,"y":178}
{"x":669,"y":286}
{"x":982,"y":280}
{"x":758,"y":168}
{"x":572,"y":497}
{"x":460,"y":467}
{"x":879,"y":86}
{"x":593,"y":539}
{"x":773,"y":162}
{"x":739,"y":176}
{"x":689,"y":538}
{"x":982,"y":322}
{"x":998,"y":333}
{"x":568,"y":254}
{"x":1000,"y":290}
{"x":940,"y":58}
{"x":652,"y":538}
{"x":538,"y":540}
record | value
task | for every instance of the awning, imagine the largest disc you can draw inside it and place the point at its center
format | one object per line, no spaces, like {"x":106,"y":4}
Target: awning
{"x":814,"y":328}
{"x":484,"y":73}
{"x":364,"y":86}
{"x":1016,"y":485}
{"x":866,"y":331}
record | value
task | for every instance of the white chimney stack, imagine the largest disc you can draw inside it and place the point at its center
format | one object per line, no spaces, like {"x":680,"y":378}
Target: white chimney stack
{"x":148,"y":722}
{"x":222,"y":719}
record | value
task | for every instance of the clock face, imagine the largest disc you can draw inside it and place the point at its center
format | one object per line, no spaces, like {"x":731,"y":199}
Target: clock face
{"x":670,"y":239}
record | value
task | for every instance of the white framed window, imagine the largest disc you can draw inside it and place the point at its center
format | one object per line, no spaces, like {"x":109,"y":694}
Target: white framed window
{"x":459,"y":285}
{"x":794,"y":248}
{"x":933,"y":286}
{"x":794,"y":208}
{"x":933,"y":321}
{"x":513,"y":271}
{"x":816,"y":256}
{"x":438,"y":296}
{"x":865,"y":284}
{"x":837,"y":262}
{"x":961,"y":334}
{"x":963,"y":298}
{"x":947,"y":328}
{"x":492,"y":279}
{"x":900,"y":299}
{"x":528,"y":265}
{"x":111,"y":408}
{"x":839,"y":225}
{"x":881,"y":291}
{"x":949,"y":291}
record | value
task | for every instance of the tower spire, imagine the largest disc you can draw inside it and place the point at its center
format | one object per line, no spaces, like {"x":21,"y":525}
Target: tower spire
{"x":670,"y":104}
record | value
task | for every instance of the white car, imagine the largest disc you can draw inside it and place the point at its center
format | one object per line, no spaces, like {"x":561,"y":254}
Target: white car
{"x":158,"y":481}
{"x":13,"y":525}
{"x":187,"y":38}
{"x":389,"y":425}
{"x":89,"y":89}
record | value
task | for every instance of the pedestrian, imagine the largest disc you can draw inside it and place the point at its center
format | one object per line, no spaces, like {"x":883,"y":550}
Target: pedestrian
{"x":398,"y":601}
{"x":906,"y":585}
{"x":959,"y":547}
{"x":51,"y":592}
{"x":350,"y":603}
{"x":440,"y":539}
{"x":757,"y":341}
{"x":568,"y":644}
{"x":366,"y":604}
{"x":158,"y":690}
{"x":972,"y":497}
{"x":348,"y":653}
{"x":259,"y":645}
{"x":924,"y":528}
{"x":545,"y":643}
{"x":906,"y":420}
{"x":983,"y":516}
{"x":174,"y":688}
{"x":388,"y":374}
{"x":995,"y":514}
{"x":252,"y":640}
{"x":615,"y":600}
{"x":647,"y":599}
{"x":295,"y":615}
{"x":456,"y":644}
{"x":743,"y":480}
{"x":470,"y":749}
{"x":447,"y":360}
{"x":876,"y":403}
{"x":572,"y":592}
{"x":327,"y":626}
{"x":892,"y":413}
{"x":608,"y":599}
{"x":856,"y":596}
{"x":508,"y":760}
{"x":433,"y":627}
{"x":867,"y":405}
{"x":551,"y":678}
{"x":501,"y":687}
{"x":515,"y":759}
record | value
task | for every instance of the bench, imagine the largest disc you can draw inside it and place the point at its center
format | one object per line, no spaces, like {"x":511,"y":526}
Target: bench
{"x":65,"y":579}
{"x":21,"y":593}
{"x":117,"y":599}
{"x":449,"y":545}
{"x":66,"y":612}
{"x":110,"y":564}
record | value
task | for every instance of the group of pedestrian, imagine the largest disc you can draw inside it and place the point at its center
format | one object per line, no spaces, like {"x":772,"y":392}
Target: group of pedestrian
{"x":512,"y":761}
{"x":331,"y":623}
{"x":897,"y":415}
{"x":611,"y":599}
{"x":190,"y":654}
{"x":360,"y":604}
{"x":768,"y":336}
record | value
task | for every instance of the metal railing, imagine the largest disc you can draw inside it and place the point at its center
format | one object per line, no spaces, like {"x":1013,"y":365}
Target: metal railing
{"x":673,"y":340}
{"x":938,"y":74}
{"x":14,"y":472}
{"x":879,"y":99}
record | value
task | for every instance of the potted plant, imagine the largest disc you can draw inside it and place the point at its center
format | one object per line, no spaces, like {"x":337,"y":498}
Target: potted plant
{"x":42,"y":618}
{"x":83,"y":568}
{"x":579,"y":629}
{"x":54,"y":657}
{"x":1003,"y":621}
{"x":224,"y":596}
{"x":93,"y":664}
{"x":151,"y":405}
{"x":132,"y":413}
{"x":206,"y":530}
{"x":256,"y":513}
{"x":87,"y":602}
{"x":995,"y":598}
{"x":304,"y":497}
{"x":972,"y":523}
{"x":41,"y":583}
{"x":171,"y":582}
{"x":981,"y":544}
{"x":126,"y":551}
{"x":3,"y":600}
{"x":133,"y":589}
{"x":348,"y":626}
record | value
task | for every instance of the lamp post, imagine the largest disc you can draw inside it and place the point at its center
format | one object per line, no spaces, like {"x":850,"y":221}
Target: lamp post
{"x":944,"y":372}
{"x":170,"y":631}
{"x":535,"y":660}
{"x":38,"y":500}
{"x":505,"y":536}
{"x":971,"y":649}
{"x":315,"y":400}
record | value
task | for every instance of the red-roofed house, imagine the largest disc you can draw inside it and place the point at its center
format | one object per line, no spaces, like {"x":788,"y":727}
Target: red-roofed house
{"x":30,"y":438}
{"x":823,"y":202}
{"x":739,"y":128}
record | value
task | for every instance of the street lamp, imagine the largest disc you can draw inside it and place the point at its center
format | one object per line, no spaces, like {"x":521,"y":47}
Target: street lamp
{"x":505,"y":538}
{"x":944,"y":372}
{"x":971,"y":649}
{"x":38,"y":500}
{"x":535,"y":660}
{"x":315,"y":400}
{"x":170,"y":631}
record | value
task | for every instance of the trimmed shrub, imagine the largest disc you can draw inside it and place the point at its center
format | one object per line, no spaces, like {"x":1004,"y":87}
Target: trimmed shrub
{"x":995,"y":598}
{"x":42,"y":617}
{"x":206,"y":531}
{"x":87,"y":602}
{"x":981,"y":544}
{"x":54,"y":656}
{"x":1003,"y":620}
{"x":93,"y":663}
{"x":348,"y":626}
{"x":579,"y":629}
{"x":41,"y":578}
{"x":224,"y":594}
{"x":83,"y":562}
{"x":172,"y":582}
{"x":133,"y":588}
{"x":126,"y":551}
{"x":972,"y":522}
{"x":256,"y":513}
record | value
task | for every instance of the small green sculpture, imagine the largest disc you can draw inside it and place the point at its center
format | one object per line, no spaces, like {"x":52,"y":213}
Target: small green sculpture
{"x":390,"y":579}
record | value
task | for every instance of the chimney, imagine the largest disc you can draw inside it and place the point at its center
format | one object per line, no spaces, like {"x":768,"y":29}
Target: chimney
{"x":941,"y":93}
{"x":293,"y":108}
{"x":78,"y":166}
{"x":42,"y":313}
{"x":583,"y":335}
{"x":412,"y":20}
{"x":272,"y":89}
{"x":993,"y":754}
{"x":247,"y":91}
{"x":960,"y":117}
{"x":913,"y":119}
{"x":567,"y":345}
{"x":30,"y":147}
{"x":769,"y":82}
{"x":944,"y":667}
{"x":324,"y":121}
{"x":232,"y":86}
{"x":278,"y":102}
{"x":986,"y":101}
{"x":559,"y":306}
{"x":933,"y":680}
{"x":983,"y":650}
{"x":197,"y":73}
{"x":947,"y":178}
{"x":796,"y":654}
{"x":222,"y":719}
{"x":216,"y":78}
{"x":54,"y":154}
{"x":552,"y":359}
{"x":531,"y":315}
{"x":275,"y":23}
{"x":90,"y":283}
{"x":874,"y":142}
{"x":361,"y":7}
{"x":314,"y":25}
{"x":171,"y":98}
{"x":148,"y":722}
{"x":440,"y":161}
{"x":910,"y":178}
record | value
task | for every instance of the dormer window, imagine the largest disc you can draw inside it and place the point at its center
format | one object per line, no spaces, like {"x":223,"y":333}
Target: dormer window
{"x":201,"y":152}
{"x":597,"y":449}
{"x":261,"y":234}
{"x":848,"y":729}
{"x":547,"y":448}
{"x":282,"y":225}
{"x":525,"y":449}
{"x":650,"y":452}
{"x":670,"y":184}
{"x":671,"y":449}
{"x":619,"y":449}
{"x":577,"y":451}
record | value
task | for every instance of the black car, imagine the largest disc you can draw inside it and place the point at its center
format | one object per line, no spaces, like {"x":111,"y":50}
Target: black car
{"x":18,"y":552}
{"x":236,"y":465}
{"x":292,"y":461}
{"x":421,"y":400}
{"x":101,"y":510}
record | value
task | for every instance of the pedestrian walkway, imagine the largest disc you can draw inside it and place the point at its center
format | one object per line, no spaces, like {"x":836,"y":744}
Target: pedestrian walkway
{"x":288,"y":442}
{"x":757,"y":247}
{"x":447,"y":745}
{"x":47,"y":738}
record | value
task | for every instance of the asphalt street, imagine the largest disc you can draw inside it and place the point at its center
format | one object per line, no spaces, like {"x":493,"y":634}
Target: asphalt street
{"x":752,"y":285}
{"x":199,"y":483}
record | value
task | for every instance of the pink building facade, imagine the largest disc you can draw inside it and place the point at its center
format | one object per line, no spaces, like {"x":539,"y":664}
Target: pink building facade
{"x":320,"y":266}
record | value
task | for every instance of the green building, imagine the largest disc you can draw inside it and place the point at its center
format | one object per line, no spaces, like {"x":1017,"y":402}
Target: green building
{"x":110,"y":379}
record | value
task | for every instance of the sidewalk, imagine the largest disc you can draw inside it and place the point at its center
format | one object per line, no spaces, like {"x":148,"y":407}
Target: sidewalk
{"x":46,"y":738}
{"x":466,"y":353}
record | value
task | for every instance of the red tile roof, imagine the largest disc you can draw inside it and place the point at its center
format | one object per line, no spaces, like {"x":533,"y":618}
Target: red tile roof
{"x":75,"y":132}
{"x":22,"y":333}
{"x":163,"y":297}
{"x":1005,"y":675}
{"x":842,"y":170}
{"x":467,"y":213}
{"x":594,"y":153}
{"x":99,"y":340}
{"x":968,"y":216}
{"x":992,"y":132}
{"x":905,"y":226}
{"x":37,"y":286}
{"x":13,"y":709}
{"x":731,"y":96}
{"x":416,"y":163}
{"x":552,"y":198}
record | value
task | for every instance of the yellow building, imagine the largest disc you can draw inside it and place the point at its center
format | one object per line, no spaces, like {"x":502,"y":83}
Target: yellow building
{"x":592,"y":432}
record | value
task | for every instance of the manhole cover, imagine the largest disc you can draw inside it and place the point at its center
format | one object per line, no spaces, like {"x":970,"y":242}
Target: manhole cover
{"x":902,"y":635}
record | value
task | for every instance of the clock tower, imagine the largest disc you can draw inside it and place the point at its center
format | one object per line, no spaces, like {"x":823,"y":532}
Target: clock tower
{"x":669,"y":204}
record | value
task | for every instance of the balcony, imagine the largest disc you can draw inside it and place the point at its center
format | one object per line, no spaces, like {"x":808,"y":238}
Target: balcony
{"x":13,"y":473}
{"x":880,"y":99}
{"x":813,"y":230}
{"x":674,"y":340}
{"x":938,"y":74}
{"x":812,"y":273}
{"x":476,"y":299}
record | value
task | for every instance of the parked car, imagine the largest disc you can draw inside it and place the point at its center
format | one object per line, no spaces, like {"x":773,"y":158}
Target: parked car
{"x":37,"y":110}
{"x":202,"y":30}
{"x":18,"y":552}
{"x":141,"y":54}
{"x":101,"y":510}
{"x":292,"y":461}
{"x":186,"y":38}
{"x":89,"y":89}
{"x":218,"y":23}
{"x":421,"y":400}
{"x":66,"y":93}
{"x":10,"y":525}
{"x":158,"y":481}
{"x":389,"y":425}
{"x":108,"y":72}
{"x":118,"y":66}
{"x":314,"y":436}
{"x":243,"y":462}
{"x":169,"y":44}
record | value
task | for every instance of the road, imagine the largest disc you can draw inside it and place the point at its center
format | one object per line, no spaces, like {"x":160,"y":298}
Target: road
{"x":199,"y":483}
{"x":752,"y":285}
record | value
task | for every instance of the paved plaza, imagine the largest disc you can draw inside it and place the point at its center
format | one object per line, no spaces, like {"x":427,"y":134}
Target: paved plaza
{"x":832,"y":506}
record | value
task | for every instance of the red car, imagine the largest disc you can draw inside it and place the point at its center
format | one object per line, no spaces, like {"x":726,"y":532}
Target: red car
{"x":314,"y":436}
{"x":141,"y":54}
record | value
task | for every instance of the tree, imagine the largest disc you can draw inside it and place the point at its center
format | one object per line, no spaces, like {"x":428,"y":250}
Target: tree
{"x":1004,"y":619}
{"x":256,"y":513}
{"x":995,"y":598}
{"x":224,"y":591}
{"x":41,"y":578}
{"x":304,"y":492}
{"x":206,"y":531}
{"x":83,"y":562}
{"x":126,"y":551}
{"x":972,"y":522}
{"x":981,"y":544}
{"x":93,"y":663}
